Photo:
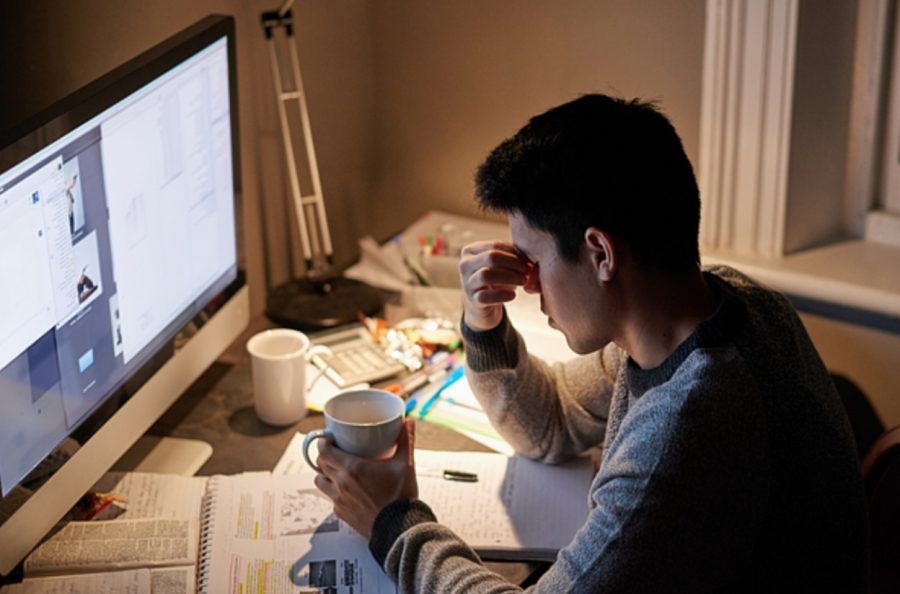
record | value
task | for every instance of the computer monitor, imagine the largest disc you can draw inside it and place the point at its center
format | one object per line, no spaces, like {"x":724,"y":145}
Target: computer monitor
{"x":119,"y":279}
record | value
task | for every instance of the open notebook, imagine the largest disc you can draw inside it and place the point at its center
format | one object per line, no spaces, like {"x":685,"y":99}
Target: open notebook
{"x":518,"y":509}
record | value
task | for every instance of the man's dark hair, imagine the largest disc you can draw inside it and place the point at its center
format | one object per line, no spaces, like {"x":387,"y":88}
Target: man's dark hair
{"x":604,"y":162}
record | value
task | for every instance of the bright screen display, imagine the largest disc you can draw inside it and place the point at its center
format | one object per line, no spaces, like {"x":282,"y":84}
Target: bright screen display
{"x":111,"y":239}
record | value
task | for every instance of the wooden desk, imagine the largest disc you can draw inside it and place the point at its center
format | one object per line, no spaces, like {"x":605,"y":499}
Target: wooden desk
{"x":218,"y":409}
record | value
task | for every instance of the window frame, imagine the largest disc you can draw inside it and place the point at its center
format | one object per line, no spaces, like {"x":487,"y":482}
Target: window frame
{"x":753,"y":214}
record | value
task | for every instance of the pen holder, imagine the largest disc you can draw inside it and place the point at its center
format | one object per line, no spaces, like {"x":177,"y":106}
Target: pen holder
{"x":441,"y":271}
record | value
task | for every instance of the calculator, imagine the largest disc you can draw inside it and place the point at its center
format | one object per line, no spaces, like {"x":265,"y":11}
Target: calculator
{"x":356,"y":358}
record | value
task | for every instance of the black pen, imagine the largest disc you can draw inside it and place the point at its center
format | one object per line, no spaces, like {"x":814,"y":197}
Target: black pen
{"x":459,"y":475}
{"x":449,"y":475}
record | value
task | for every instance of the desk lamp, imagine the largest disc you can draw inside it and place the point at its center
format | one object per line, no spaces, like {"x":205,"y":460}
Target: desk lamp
{"x":322,"y":299}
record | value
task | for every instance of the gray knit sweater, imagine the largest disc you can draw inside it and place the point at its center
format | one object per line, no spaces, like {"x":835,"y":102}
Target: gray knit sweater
{"x":730,"y":467}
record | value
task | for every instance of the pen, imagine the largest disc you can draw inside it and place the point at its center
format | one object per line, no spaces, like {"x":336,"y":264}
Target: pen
{"x":449,"y":475}
{"x":457,"y":373}
{"x":418,"y":272}
{"x":459,"y":475}
{"x":435,"y":372}
{"x":431,"y":373}
{"x":423,"y":393}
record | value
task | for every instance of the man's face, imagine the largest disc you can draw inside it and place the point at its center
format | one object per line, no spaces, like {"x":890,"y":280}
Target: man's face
{"x":571,"y":295}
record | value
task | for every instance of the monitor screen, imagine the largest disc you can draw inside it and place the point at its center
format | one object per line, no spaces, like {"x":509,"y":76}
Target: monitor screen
{"x":117,"y":231}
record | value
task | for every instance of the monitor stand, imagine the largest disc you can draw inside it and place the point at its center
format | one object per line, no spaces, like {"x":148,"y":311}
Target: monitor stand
{"x":165,"y":455}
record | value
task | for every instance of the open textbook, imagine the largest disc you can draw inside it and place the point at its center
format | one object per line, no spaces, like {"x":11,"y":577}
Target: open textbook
{"x":133,"y":581}
{"x":252,"y":532}
{"x":150,"y":547}
{"x":518,"y":509}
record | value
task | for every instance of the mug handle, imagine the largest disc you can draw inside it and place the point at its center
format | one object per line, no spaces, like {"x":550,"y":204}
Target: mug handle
{"x":311,"y":437}
{"x":320,"y":350}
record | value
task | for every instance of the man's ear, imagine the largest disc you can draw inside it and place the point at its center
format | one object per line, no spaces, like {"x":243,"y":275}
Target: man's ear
{"x":601,"y":252}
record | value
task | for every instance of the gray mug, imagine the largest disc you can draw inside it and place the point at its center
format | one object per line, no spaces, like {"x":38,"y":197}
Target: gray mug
{"x":364,"y":423}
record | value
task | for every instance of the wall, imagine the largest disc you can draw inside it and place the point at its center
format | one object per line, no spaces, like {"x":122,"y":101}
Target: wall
{"x":868,"y":357}
{"x":455,"y":78}
{"x":406,"y":97}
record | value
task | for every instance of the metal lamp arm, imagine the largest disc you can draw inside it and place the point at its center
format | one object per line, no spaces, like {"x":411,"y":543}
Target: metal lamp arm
{"x":315,"y":238}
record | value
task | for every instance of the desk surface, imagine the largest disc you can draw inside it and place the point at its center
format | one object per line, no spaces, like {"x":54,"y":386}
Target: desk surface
{"x":218,"y":409}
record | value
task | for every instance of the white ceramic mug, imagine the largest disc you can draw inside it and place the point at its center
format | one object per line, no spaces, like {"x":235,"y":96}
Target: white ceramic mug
{"x":279,"y":359}
{"x":364,"y":423}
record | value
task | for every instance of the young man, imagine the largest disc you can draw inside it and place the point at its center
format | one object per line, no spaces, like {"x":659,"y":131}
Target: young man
{"x":727,"y":460}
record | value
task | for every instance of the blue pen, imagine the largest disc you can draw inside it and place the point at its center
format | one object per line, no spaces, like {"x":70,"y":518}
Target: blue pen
{"x":451,"y":379}
{"x":413,"y":400}
{"x":426,"y":391}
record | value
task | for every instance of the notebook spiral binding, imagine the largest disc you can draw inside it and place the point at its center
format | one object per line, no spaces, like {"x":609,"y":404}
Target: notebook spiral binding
{"x":207,"y":517}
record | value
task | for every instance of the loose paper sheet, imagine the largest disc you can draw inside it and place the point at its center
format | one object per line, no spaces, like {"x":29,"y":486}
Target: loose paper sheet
{"x":518,"y":508}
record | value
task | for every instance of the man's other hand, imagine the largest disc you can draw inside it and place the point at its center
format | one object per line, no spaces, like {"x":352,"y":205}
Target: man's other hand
{"x":490,"y":271}
{"x":361,"y":487}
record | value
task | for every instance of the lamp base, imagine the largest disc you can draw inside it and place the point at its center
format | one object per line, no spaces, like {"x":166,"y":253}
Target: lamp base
{"x":309,"y":306}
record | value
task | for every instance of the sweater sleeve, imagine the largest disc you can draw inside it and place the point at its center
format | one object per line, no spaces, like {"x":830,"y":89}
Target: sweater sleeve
{"x":424,"y":556}
{"x":546,"y":412}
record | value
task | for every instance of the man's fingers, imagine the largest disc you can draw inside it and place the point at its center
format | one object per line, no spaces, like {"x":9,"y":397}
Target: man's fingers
{"x":493,"y":296}
{"x":329,"y":470}
{"x":479,"y":247}
{"x":335,"y":464}
{"x":332,"y":455}
{"x":493,"y":259}
{"x":497,"y":276}
{"x":505,"y":256}
{"x":406,"y":442}
{"x":324,"y":485}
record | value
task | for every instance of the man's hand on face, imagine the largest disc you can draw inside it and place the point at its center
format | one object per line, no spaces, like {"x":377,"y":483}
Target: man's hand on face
{"x":361,"y":487}
{"x":490,"y":271}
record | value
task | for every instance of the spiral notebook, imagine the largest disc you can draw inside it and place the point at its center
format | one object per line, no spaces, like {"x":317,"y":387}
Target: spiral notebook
{"x":264,"y":533}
